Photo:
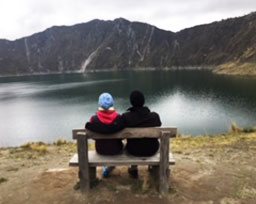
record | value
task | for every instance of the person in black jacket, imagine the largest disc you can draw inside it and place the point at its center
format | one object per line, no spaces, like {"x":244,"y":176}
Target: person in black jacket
{"x":106,"y":121}
{"x":140,"y":116}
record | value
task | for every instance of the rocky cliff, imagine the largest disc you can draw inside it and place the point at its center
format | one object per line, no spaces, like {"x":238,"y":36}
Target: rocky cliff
{"x":121,"y":44}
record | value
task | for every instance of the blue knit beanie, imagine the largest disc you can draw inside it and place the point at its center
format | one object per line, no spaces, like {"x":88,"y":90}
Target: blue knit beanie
{"x":106,"y":101}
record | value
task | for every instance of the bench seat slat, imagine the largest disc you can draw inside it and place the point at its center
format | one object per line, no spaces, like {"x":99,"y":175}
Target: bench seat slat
{"x":120,"y":160}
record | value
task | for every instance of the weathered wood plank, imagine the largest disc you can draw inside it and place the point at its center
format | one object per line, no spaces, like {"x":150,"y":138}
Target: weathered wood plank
{"x":164,"y":163}
{"x":120,"y":160}
{"x":126,"y":133}
{"x":82,"y":150}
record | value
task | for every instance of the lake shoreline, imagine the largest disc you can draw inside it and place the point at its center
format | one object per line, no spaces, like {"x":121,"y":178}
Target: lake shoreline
{"x":231,"y":68}
{"x":208,"y":169}
{"x":203,"y":68}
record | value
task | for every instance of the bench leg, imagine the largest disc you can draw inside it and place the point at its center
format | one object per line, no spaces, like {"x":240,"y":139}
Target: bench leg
{"x":92,"y":179}
{"x":83,"y":181}
{"x":83,"y":164}
{"x":154,"y":173}
{"x":92,"y":173}
{"x":164,"y":163}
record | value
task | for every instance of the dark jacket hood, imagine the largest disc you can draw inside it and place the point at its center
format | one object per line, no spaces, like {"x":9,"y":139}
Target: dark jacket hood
{"x":141,"y":117}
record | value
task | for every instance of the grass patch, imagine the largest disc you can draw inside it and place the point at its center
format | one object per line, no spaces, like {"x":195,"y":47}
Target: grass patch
{"x":91,"y":146}
{"x":243,"y":190}
{"x":237,"y":68}
{"x":247,"y":193}
{"x":39,"y":147}
{"x":235,"y":128}
{"x":60,"y":142}
{"x":249,"y":129}
{"x":181,"y":144}
{"x":236,"y":135}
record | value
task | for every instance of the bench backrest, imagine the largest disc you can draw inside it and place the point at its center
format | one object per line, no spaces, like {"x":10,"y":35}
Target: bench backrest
{"x":152,"y":132}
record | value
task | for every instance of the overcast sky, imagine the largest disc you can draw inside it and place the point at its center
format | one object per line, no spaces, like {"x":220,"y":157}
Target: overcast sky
{"x":19,"y":18}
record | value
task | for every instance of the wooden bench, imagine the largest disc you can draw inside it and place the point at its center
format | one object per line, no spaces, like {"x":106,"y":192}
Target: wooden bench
{"x":87,"y":161}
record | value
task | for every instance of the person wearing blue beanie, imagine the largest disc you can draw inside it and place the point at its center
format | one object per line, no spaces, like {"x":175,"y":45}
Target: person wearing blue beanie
{"x":106,"y":121}
{"x":106,"y":101}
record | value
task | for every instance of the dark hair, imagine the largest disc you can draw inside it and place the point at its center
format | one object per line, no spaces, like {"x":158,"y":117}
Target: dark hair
{"x":137,"y":98}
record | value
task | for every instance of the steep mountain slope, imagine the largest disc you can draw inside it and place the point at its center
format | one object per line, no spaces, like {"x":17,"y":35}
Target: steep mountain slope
{"x":121,"y":44}
{"x":228,"y":40}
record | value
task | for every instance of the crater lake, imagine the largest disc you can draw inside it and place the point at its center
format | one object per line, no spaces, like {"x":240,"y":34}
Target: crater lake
{"x":47,"y":107}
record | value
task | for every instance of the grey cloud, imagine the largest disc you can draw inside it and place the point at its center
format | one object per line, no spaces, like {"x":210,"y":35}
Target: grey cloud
{"x":166,"y":14}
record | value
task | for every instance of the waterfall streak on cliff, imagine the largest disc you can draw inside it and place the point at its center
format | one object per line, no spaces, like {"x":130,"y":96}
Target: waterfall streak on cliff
{"x":146,"y":49}
{"x":27,"y":53}
{"x":27,"y":50}
{"x":149,"y":40}
{"x":88,"y":60}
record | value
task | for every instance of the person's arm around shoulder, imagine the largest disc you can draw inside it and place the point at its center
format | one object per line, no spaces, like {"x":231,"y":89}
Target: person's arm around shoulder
{"x":117,"y":126}
{"x":158,"y":122}
{"x":119,"y":123}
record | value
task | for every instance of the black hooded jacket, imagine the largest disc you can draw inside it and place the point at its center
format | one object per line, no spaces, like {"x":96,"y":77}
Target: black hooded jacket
{"x":106,"y":146}
{"x":141,"y":117}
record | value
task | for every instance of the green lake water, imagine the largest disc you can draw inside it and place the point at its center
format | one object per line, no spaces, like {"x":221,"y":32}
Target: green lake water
{"x":46,"y":108}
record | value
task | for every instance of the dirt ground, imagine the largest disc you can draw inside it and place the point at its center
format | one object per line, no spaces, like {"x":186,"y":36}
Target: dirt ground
{"x":212,"y":171}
